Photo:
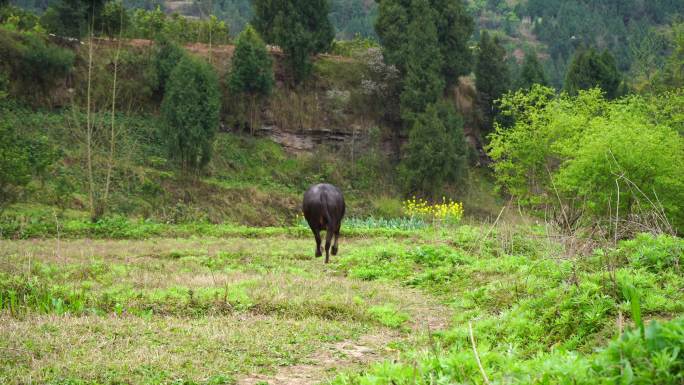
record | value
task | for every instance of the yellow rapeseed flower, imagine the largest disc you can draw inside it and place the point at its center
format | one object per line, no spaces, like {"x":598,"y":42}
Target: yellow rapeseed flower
{"x":447,"y":211}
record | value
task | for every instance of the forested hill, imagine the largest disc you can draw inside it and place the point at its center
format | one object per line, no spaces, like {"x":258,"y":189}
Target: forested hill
{"x":629,"y":29}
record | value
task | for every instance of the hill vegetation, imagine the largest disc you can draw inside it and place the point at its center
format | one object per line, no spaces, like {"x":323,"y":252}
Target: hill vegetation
{"x":514,"y":194}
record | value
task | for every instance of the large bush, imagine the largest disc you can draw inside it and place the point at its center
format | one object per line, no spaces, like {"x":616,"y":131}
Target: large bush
{"x":435,"y":153}
{"x":34,"y":65}
{"x":191,"y":113}
{"x":167,"y":55}
{"x":251,"y":72}
{"x":602,"y":158}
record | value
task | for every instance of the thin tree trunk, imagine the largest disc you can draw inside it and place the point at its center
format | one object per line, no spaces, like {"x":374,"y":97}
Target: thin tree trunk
{"x":210,"y":28}
{"x":252,"y":114}
{"x":112,"y":136}
{"x":89,"y":133}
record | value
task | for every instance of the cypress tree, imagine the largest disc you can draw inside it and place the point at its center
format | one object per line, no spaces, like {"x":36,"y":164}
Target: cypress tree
{"x":190,"y":110}
{"x":453,"y":24}
{"x":167,"y":55}
{"x":436,"y":150}
{"x":391,"y":25}
{"x":252,"y":72}
{"x":673,"y":73}
{"x":423,"y":83}
{"x":454,"y":28}
{"x":300,"y":27}
{"x":492,"y":78}
{"x":531,"y":72}
{"x":73,"y":18}
{"x":590,"y":69}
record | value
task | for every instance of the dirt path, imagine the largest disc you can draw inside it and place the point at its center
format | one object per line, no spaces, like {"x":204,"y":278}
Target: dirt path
{"x":330,"y":359}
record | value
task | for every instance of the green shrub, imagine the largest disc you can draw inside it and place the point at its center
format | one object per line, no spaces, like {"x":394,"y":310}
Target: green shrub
{"x":386,"y":207}
{"x":585,"y":150}
{"x":191,"y":113}
{"x":167,"y":55}
{"x":34,"y":64}
{"x":655,"y":253}
{"x":436,"y":151}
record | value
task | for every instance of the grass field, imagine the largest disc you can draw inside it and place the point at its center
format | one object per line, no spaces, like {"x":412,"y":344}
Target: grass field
{"x":201,"y":309}
{"x":393,"y":307}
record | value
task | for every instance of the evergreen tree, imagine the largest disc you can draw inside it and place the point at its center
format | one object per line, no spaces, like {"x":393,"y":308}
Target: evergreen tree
{"x":590,"y":69}
{"x":423,"y":81}
{"x":454,"y":28}
{"x":301,"y":28}
{"x":66,"y":18}
{"x":73,"y":18}
{"x":393,"y":19}
{"x":673,"y":72}
{"x":492,"y":78}
{"x":114,"y":18}
{"x":436,"y":150}
{"x":190,"y":110}
{"x":167,"y":55}
{"x":252,"y":69}
{"x":531,"y":72}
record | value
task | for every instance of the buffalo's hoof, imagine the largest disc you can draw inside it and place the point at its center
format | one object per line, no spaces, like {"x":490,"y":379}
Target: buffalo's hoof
{"x":318,"y":254}
{"x":334,"y":250}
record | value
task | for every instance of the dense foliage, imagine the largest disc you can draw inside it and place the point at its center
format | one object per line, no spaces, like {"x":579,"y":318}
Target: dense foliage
{"x":191,"y":112}
{"x":251,"y":73}
{"x":73,"y":18}
{"x":34,"y":65}
{"x":617,"y":25}
{"x":21,"y":157}
{"x":435,"y":153}
{"x":166,"y":56}
{"x":531,"y":72}
{"x":590,"y":69}
{"x":422,"y":84}
{"x":492,"y":78}
{"x":70,"y":18}
{"x":300,"y":28}
{"x":606,"y":159}
{"x":454,"y":27}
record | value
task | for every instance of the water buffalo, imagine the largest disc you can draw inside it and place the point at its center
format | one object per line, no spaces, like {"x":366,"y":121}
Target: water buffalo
{"x":323,"y":209}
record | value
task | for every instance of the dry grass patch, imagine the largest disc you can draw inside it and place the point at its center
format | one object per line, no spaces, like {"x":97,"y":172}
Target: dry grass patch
{"x":136,"y":350}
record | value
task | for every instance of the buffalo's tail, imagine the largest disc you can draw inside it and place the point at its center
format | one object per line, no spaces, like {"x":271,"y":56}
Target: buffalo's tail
{"x":326,"y":211}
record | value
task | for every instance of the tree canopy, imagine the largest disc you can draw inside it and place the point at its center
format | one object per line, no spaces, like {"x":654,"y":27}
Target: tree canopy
{"x":436,"y":151}
{"x":190,"y":110}
{"x":590,"y":69}
{"x":423,"y":83}
{"x":531,"y":72}
{"x":492,"y":78}
{"x":300,"y":28}
{"x":584,"y":150}
{"x":251,"y":72}
{"x":453,"y":24}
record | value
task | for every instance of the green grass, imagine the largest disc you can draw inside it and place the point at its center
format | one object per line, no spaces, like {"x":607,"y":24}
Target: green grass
{"x":157,"y":310}
{"x":539,"y":316}
{"x":223,"y":303}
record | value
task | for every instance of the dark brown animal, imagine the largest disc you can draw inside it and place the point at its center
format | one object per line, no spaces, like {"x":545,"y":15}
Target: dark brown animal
{"x":323,"y":209}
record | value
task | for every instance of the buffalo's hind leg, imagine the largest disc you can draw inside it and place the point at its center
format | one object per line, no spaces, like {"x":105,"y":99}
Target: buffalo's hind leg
{"x":328,"y":237}
{"x":317,"y":235}
{"x":337,"y":236}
